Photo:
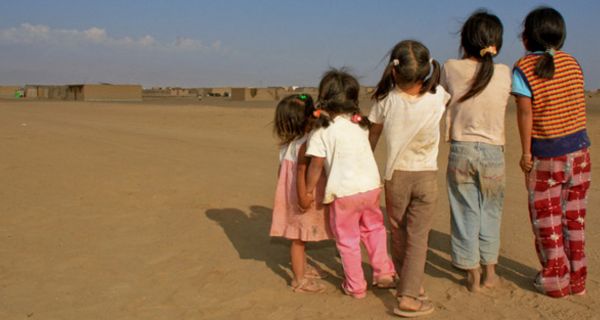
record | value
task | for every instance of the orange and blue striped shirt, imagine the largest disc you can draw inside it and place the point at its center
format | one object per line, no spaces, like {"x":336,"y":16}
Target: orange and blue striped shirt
{"x":558,"y":105}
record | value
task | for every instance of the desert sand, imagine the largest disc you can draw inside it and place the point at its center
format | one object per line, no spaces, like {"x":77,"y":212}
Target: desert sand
{"x":162,"y":211}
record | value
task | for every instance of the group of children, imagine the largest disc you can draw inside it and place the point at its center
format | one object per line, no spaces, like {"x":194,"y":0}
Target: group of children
{"x":329,"y":183}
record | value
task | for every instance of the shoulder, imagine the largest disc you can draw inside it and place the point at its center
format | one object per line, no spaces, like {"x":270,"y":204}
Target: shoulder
{"x":527,"y":60}
{"x":502,"y":71}
{"x":441,"y":96}
{"x":565,"y":58}
{"x":500,"y":67}
{"x":452,"y":65}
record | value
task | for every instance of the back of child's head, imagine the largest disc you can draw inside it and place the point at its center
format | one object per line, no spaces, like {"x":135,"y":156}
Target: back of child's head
{"x":544,"y":30}
{"x":481,"y":39}
{"x":338,"y":94}
{"x":292,"y":116}
{"x":410,"y":64}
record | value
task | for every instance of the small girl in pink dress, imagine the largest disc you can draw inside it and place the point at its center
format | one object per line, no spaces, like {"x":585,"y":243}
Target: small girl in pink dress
{"x":293,"y":118}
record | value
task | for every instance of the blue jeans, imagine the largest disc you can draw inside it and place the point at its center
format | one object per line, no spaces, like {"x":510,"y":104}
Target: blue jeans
{"x":476,"y":193}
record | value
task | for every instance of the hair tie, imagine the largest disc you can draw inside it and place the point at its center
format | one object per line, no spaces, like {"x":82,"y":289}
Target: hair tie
{"x":317,"y":113}
{"x":430,"y":60}
{"x":491,"y":50}
{"x":395,"y":62}
{"x":356,"y":118}
{"x":302,"y":97}
{"x":551,"y":51}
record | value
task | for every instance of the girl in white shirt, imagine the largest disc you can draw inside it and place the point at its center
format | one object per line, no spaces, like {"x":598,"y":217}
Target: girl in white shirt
{"x":409,"y":104}
{"x":340,"y":144}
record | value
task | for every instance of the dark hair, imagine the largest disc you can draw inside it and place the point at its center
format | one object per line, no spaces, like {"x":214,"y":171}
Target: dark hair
{"x":338,"y":94}
{"x":481,"y":31}
{"x":292,"y":116}
{"x":410,"y":63}
{"x":544,"y":29}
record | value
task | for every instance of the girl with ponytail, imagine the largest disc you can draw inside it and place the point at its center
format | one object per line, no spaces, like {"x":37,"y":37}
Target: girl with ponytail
{"x":408,"y":107}
{"x":549,"y":90}
{"x":475,"y":128}
{"x":340,"y":145}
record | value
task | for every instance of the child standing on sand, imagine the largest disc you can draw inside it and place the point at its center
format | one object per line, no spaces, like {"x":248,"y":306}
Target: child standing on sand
{"x":409,"y":104}
{"x":340,"y":144}
{"x":475,"y":127}
{"x":292,"y":122}
{"x":549,"y":89}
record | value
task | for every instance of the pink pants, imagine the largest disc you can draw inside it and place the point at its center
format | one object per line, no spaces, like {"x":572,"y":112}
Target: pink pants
{"x":354,"y":219}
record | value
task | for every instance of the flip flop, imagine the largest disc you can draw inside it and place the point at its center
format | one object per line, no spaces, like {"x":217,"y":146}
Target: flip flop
{"x":385,"y":283}
{"x":425,"y":308}
{"x":314,"y":272}
{"x":308,"y":286}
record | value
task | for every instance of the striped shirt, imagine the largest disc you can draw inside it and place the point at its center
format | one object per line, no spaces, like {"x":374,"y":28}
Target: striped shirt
{"x":558,"y":105}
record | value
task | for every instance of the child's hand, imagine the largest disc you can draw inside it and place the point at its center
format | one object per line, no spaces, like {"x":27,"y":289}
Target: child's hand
{"x":306,"y":201}
{"x":526,"y":163}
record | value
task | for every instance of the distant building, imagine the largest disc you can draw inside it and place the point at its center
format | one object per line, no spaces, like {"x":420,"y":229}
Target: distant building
{"x":254,"y":94}
{"x":104,"y":92}
{"x":46,"y":92}
{"x":9,"y":91}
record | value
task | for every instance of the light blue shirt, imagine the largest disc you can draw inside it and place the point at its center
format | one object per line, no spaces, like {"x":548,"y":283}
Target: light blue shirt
{"x":519,"y":85}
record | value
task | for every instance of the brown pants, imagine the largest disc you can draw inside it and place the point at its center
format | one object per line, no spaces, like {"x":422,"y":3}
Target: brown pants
{"x":410,"y":199}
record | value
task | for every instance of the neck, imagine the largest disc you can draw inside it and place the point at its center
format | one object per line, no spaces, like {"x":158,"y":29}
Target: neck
{"x":413,"y":90}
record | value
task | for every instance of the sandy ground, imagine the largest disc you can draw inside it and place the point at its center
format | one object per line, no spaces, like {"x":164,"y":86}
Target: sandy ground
{"x":162,"y":211}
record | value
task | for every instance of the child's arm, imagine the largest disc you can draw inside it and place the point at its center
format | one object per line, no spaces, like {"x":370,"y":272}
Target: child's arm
{"x":374,"y":134}
{"x":304,"y":200}
{"x":525,"y":122}
{"x":315,"y":169}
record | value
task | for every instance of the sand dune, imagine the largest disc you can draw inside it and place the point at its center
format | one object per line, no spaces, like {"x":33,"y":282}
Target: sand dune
{"x":162,"y":211}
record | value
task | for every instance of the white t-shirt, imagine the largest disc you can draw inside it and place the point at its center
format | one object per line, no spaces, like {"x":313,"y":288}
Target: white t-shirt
{"x":349,"y":161}
{"x":411,"y":127}
{"x":480,"y":118}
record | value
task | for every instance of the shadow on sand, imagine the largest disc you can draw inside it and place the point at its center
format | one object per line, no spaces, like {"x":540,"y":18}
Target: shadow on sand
{"x":440,"y":267}
{"x":249,"y":234}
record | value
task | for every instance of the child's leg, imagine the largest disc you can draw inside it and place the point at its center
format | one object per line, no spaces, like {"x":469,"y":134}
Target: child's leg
{"x":419,"y":218}
{"x":465,"y":206}
{"x":397,"y":198}
{"x":374,"y":237}
{"x":298,"y":257}
{"x":345,"y":228}
{"x":574,"y":204}
{"x":544,"y":184}
{"x":491,"y":184}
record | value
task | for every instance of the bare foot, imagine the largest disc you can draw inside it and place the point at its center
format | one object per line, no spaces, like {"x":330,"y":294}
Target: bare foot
{"x":490,"y":278}
{"x":473,"y":279}
{"x":408,"y":303}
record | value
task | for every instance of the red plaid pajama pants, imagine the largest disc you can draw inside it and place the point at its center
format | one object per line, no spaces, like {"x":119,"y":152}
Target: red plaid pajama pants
{"x":557,"y":189}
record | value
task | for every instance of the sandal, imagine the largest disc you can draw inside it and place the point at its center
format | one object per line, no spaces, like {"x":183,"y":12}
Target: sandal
{"x":425,"y":308}
{"x":387,"y":282}
{"x":308,"y":286}
{"x":423,"y":296}
{"x":314,"y":272}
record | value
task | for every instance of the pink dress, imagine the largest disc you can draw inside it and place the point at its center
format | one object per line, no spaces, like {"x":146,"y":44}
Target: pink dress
{"x":288,"y":221}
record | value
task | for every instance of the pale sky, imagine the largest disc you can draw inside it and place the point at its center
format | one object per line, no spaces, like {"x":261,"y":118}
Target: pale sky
{"x":251,"y":43}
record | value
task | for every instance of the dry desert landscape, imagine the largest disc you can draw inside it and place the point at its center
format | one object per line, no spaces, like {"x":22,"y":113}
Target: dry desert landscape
{"x":161,"y":210}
